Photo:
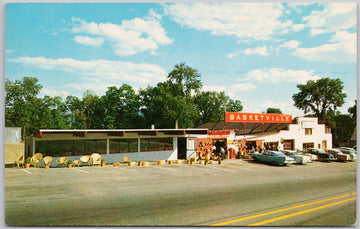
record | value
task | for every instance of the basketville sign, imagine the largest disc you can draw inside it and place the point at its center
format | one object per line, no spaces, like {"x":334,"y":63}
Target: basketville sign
{"x":254,"y":117}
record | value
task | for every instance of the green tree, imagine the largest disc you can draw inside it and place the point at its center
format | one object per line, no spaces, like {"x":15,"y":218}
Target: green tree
{"x":344,"y":125}
{"x":53,"y":114}
{"x":343,"y":129}
{"x":90,"y":101}
{"x":172,"y":100}
{"x":271,"y":110}
{"x":234,"y":106}
{"x":187,"y":80}
{"x":76,"y":115}
{"x":22,"y":105}
{"x":162,"y":106}
{"x":212,"y":106}
{"x":352,"y":111}
{"x":320,"y":97}
{"x":122,"y":108}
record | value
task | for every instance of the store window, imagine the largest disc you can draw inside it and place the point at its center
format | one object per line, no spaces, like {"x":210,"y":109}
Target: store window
{"x":308,"y":131}
{"x":308,"y":145}
{"x":41,"y":147}
{"x":328,"y":130}
{"x":61,"y":148}
{"x":127,"y":145}
{"x":96,"y":146}
{"x":155,"y":144}
{"x":79,"y":147}
{"x":67,"y":147}
{"x":288,"y":144}
{"x":191,"y":144}
{"x":271,"y":145}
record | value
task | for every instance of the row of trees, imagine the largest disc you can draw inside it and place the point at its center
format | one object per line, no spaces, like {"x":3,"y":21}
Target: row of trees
{"x":179,"y":98}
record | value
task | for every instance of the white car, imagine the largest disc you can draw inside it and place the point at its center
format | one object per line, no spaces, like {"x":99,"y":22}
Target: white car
{"x":300,"y":159}
{"x":313,"y":156}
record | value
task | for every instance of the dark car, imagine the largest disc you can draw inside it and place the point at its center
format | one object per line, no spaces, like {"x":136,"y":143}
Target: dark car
{"x":340,"y":156}
{"x":349,"y":151}
{"x":322,"y":155}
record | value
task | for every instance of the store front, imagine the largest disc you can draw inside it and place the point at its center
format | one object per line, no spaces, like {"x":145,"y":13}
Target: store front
{"x":219,"y":139}
{"x":245,"y":131}
{"x":113,"y":145}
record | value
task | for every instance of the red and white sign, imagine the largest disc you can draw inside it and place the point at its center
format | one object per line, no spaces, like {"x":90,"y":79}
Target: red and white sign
{"x":218,"y":133}
{"x":260,"y":118}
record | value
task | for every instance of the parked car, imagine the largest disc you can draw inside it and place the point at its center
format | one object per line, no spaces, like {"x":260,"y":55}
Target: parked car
{"x":340,"y":156}
{"x":273,"y":157}
{"x":313,"y":156}
{"x":350,"y":152}
{"x":323,"y":156}
{"x":300,"y":159}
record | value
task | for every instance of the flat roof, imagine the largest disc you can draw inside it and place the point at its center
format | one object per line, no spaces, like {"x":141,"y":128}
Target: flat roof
{"x":121,"y":132}
{"x":250,"y":128}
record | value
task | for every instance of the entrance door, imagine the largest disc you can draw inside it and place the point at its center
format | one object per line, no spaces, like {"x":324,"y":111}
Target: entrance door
{"x":324,"y":144}
{"x":181,"y":148}
{"x":219,"y":142}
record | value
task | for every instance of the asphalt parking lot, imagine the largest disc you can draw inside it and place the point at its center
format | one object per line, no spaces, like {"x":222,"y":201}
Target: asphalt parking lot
{"x":85,"y":195}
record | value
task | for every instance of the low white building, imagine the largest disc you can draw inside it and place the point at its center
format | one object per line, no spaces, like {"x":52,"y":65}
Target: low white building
{"x":305,"y":133}
{"x":115,"y":144}
{"x":262,"y":130}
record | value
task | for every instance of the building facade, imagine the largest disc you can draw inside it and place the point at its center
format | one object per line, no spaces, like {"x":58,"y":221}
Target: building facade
{"x":305,"y":133}
{"x":243,"y":133}
{"x":113,"y":145}
{"x":248,"y":132}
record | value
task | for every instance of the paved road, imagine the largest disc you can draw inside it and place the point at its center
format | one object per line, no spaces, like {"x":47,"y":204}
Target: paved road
{"x":238,"y":192}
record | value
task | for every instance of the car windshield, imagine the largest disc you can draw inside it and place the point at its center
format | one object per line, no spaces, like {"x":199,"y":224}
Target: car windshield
{"x":349,"y":149}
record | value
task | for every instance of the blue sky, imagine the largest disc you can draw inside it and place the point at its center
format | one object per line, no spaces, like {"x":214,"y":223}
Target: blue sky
{"x":255,"y":52}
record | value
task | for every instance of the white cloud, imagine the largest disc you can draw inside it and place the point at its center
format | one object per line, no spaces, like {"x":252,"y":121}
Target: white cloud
{"x":334,"y":17}
{"x":243,"y":87}
{"x":285,"y":107}
{"x":246,"y":21}
{"x":232,"y":55}
{"x":85,"y":40}
{"x":232,"y":91}
{"x":290,"y":44}
{"x":263,"y":51}
{"x":276,"y":75}
{"x":213,"y":88}
{"x":297,"y":27}
{"x":342,"y":48}
{"x":258,"y":51}
{"x":131,"y":37}
{"x":153,"y":14}
{"x":99,"y":74}
{"x":9,"y":51}
{"x":52,"y":93}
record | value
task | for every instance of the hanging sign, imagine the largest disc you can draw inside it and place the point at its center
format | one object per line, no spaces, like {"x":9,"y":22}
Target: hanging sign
{"x":218,"y":133}
{"x":260,"y":118}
